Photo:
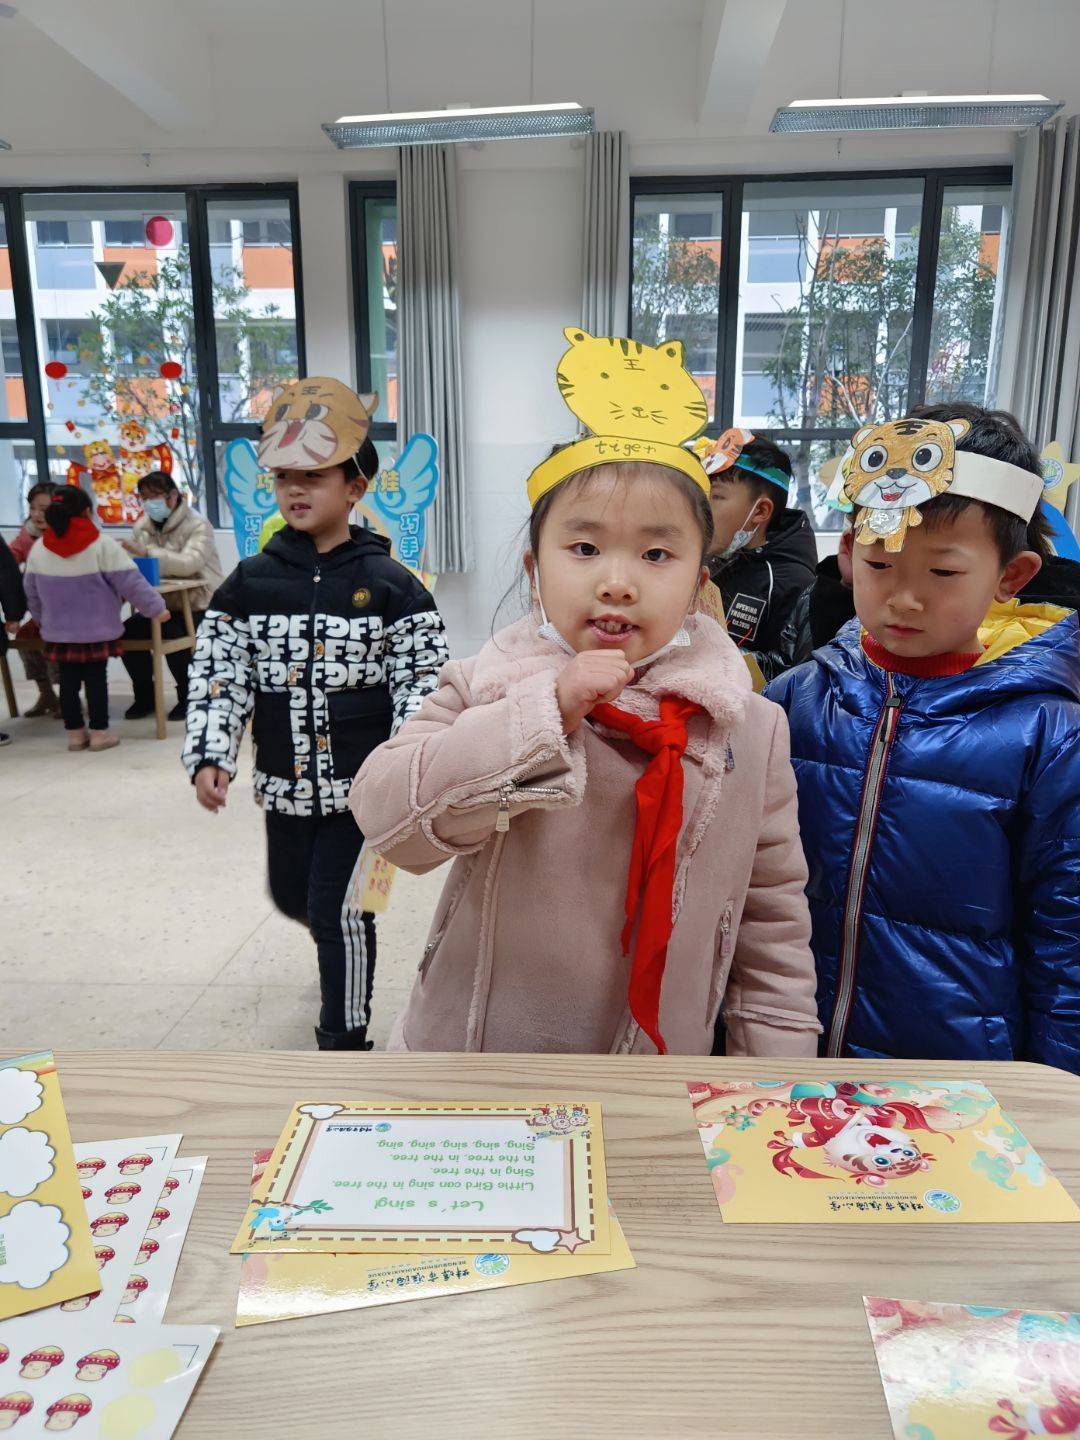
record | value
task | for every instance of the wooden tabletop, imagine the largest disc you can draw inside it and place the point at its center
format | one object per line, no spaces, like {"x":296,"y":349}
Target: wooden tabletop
{"x":734,"y":1331}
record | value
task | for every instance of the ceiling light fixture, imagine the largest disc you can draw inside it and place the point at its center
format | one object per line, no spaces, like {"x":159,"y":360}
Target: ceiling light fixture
{"x":907,"y":112}
{"x":462,"y":126}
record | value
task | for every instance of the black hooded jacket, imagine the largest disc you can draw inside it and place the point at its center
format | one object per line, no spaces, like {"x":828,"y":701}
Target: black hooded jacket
{"x":332,"y":652}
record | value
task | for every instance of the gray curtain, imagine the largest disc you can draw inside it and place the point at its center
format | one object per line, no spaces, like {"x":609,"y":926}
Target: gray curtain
{"x":429,"y":343}
{"x":1039,"y":358}
{"x":606,"y":270}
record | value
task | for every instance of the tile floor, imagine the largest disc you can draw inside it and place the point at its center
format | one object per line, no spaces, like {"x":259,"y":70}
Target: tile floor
{"x":131,"y":917}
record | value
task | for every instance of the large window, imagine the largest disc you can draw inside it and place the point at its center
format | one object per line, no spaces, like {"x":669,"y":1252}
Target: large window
{"x":155,"y":326}
{"x":809,"y":306}
{"x":375,"y":270}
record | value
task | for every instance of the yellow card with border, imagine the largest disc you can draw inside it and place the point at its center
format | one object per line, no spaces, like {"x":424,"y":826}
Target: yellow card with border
{"x":442,"y":1178}
{"x":46,"y":1253}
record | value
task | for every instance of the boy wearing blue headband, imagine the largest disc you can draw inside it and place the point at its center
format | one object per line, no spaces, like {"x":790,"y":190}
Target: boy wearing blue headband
{"x":764,"y":554}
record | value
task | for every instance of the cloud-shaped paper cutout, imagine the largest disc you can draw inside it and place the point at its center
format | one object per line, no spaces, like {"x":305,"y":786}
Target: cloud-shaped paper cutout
{"x":33,"y":1242}
{"x":20,"y":1095}
{"x":543,"y":1241}
{"x":320,"y":1112}
{"x":26,"y":1160}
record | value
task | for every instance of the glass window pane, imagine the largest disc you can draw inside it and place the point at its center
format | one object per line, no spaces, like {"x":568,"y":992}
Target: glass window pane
{"x":826,"y":302}
{"x":676,"y":278}
{"x":380,"y":240}
{"x":967,"y":293}
{"x":18,"y":471}
{"x":12,"y":391}
{"x":808,"y":492}
{"x":251,"y":263}
{"x":111,"y":289}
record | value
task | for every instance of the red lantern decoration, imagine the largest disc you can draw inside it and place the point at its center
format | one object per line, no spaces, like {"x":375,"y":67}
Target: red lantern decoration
{"x":56,"y":369}
{"x":171,"y":370}
{"x":159,"y":231}
{"x":174,"y":433}
{"x":70,"y":425}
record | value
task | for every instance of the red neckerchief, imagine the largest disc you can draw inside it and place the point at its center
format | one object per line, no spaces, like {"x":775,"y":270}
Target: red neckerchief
{"x":926,"y":667}
{"x":651,"y":878}
{"x":80,"y":535}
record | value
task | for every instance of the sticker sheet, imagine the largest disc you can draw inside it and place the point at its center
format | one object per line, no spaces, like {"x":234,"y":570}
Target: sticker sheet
{"x":870,"y":1152}
{"x":163,"y":1239}
{"x":46,"y":1252}
{"x":57,"y":1373}
{"x":121,"y":1182}
{"x":439,"y":1178}
{"x":970,"y":1372}
{"x":288,"y":1286}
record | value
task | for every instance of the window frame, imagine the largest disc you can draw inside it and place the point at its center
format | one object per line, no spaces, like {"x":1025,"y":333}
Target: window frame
{"x":360,"y":193}
{"x":212,"y":429}
{"x":934,"y":180}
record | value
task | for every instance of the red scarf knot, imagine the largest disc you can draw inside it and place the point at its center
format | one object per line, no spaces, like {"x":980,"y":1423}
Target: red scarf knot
{"x":650,"y":883}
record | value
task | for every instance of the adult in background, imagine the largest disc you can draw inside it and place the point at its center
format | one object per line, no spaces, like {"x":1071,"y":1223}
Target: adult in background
{"x":182,"y":542}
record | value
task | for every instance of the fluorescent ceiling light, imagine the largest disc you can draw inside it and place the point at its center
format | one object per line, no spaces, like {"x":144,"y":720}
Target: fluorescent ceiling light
{"x":449,"y":127}
{"x":914,"y":112}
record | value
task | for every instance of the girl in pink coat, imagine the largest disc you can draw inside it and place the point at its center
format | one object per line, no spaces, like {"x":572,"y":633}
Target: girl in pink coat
{"x":618,"y":805}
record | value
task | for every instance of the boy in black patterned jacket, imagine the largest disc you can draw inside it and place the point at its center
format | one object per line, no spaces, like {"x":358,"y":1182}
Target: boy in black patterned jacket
{"x":333,"y":645}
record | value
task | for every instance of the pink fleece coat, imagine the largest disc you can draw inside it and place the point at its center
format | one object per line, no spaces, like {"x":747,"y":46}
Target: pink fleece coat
{"x":524,"y":951}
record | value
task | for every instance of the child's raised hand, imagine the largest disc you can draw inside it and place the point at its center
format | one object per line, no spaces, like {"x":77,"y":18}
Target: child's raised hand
{"x":212,"y":787}
{"x":591,"y":677}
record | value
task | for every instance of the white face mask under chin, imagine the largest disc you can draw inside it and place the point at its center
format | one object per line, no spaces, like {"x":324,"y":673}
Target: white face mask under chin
{"x":547,"y":631}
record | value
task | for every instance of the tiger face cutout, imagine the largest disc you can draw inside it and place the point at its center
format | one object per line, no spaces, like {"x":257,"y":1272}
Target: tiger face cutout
{"x":629,"y":389}
{"x":313,"y":424}
{"x":890,"y":470}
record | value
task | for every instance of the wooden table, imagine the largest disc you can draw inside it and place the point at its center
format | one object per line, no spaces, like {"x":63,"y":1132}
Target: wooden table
{"x":160,"y":647}
{"x":157,"y":645}
{"x":736,"y":1331}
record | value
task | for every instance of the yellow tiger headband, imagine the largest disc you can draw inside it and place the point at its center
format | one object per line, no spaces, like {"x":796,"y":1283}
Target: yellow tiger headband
{"x":888,"y":471}
{"x":639,"y":402}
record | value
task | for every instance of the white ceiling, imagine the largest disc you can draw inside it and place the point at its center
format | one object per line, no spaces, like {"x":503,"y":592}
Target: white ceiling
{"x":79,"y":77}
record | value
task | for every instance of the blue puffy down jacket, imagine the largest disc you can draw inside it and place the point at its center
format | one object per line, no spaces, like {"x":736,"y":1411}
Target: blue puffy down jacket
{"x":941,"y":824}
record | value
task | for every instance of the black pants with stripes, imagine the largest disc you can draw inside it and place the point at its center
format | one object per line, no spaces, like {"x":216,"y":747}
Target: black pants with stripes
{"x":312,"y":864}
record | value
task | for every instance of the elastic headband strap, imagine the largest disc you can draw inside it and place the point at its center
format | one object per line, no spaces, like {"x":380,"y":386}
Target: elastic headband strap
{"x":777,"y":477}
{"x":596,"y":450}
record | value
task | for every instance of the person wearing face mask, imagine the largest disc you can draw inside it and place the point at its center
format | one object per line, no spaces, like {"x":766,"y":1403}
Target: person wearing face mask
{"x":763,"y":554}
{"x":182,"y":542}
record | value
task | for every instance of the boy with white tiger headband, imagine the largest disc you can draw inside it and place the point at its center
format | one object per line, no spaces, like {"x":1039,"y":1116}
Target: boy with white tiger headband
{"x":332,"y":644}
{"x":935,"y":747}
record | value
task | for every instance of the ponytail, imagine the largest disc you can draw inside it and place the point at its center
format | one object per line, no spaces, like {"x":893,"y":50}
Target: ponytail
{"x":68,"y":502}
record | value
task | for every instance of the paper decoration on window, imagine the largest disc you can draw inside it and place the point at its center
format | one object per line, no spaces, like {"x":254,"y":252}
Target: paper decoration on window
{"x":398,"y":499}
{"x":250,"y":492}
{"x":1059,"y":475}
{"x":170,"y":370}
{"x":56,"y":369}
{"x":137,"y":459}
{"x":110,"y":270}
{"x":159,"y":231}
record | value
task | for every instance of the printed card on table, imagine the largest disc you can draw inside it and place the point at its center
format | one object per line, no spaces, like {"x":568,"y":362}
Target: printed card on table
{"x":870,"y":1152}
{"x":288,"y":1286}
{"x":162,"y":1241}
{"x":971,"y":1372}
{"x":441,"y":1178}
{"x":46,"y":1252}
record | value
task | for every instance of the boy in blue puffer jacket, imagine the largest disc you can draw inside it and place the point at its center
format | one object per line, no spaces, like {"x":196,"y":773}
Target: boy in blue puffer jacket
{"x":935,"y":742}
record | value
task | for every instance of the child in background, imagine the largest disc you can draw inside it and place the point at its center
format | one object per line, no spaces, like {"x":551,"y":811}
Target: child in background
{"x":764,"y":553}
{"x":935,"y":743}
{"x":332,"y":643}
{"x":601,"y":775}
{"x":76,"y":582}
{"x":41,"y":671}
